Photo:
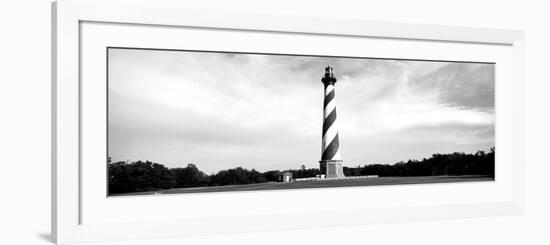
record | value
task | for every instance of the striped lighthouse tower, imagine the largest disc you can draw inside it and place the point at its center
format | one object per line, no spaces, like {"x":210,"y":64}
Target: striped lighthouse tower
{"x":331,"y":160}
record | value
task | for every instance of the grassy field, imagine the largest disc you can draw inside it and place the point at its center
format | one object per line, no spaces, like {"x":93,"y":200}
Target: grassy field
{"x":321,"y":184}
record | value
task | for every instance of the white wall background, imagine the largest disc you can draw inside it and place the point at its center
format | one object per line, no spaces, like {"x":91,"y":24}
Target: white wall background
{"x":25,"y":121}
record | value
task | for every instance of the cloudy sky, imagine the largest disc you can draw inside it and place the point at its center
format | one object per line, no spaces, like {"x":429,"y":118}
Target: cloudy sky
{"x":224,"y":110}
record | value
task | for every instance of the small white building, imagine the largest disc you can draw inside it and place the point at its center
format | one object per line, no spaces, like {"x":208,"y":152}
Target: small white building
{"x":285,"y":177}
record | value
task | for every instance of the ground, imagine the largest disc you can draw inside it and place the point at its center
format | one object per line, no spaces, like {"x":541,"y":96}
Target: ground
{"x":322,"y":184}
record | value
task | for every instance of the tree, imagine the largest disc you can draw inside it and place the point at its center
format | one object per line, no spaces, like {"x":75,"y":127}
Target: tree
{"x":189,"y":176}
{"x":237,"y":176}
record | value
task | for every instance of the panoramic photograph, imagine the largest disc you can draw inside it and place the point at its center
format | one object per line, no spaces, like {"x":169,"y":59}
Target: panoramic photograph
{"x":184,"y":121}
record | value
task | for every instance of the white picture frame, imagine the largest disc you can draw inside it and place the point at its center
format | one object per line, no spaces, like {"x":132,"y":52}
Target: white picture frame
{"x":68,"y":196}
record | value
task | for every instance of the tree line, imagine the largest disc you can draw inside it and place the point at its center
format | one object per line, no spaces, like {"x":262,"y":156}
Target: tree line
{"x":126,"y":177}
{"x":458,"y":163}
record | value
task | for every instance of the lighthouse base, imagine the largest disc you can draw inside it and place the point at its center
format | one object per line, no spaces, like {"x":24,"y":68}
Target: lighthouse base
{"x":332,"y":168}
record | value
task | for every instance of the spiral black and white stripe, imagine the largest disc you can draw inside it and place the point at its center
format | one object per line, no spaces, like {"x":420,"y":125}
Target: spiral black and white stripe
{"x":330,"y":143}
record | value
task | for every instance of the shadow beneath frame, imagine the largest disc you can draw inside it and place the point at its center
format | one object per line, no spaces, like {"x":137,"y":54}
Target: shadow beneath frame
{"x":45,"y":236}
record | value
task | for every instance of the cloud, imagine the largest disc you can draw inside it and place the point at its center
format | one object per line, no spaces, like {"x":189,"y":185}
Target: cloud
{"x":222,"y":110}
{"x":461,"y":85}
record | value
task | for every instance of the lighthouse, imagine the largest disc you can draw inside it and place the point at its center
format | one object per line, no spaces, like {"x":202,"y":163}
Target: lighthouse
{"x":331,"y":158}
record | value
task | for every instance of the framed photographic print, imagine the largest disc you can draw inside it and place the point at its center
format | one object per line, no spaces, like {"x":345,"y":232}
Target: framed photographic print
{"x":161,"y":117}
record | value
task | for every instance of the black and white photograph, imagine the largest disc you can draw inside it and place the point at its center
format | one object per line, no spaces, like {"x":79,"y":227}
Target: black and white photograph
{"x":186,"y":121}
